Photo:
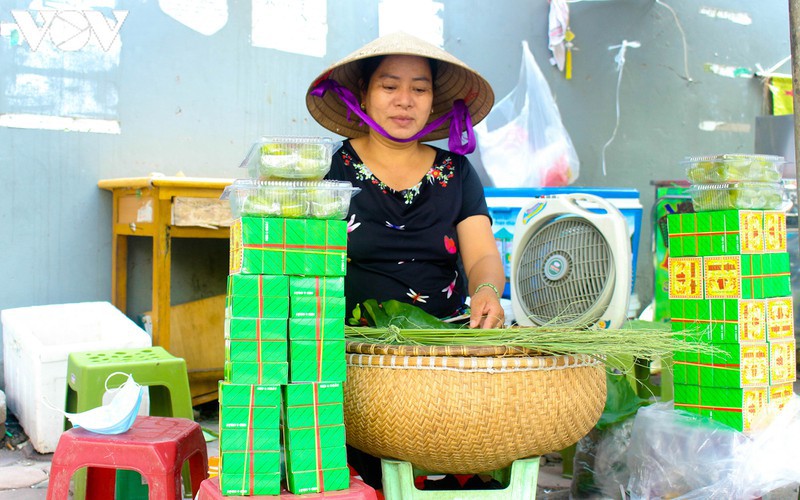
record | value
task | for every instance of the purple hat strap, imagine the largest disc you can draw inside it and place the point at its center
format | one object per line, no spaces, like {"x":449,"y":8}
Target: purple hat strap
{"x":460,"y":120}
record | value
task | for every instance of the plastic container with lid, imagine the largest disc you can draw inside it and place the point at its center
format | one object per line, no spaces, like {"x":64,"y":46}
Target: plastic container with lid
{"x":733,"y":168}
{"x":306,"y":158}
{"x":324,"y":199}
{"x":737,"y":195}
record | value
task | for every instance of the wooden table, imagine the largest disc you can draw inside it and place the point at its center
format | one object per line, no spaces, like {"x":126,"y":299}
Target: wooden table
{"x":162,"y":208}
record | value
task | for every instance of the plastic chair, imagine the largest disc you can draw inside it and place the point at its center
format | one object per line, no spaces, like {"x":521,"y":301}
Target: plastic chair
{"x":156,"y":447}
{"x":398,"y":483}
{"x":164,"y":374}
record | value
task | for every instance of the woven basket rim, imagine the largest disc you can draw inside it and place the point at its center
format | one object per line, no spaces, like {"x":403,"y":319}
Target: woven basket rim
{"x":361,"y":347}
{"x":472,"y":364}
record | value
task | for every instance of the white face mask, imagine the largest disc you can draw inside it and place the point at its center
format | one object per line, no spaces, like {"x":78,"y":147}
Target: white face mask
{"x":115,"y":417}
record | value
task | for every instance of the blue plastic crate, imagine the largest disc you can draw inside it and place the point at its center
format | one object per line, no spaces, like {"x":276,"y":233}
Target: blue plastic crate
{"x":505,"y":203}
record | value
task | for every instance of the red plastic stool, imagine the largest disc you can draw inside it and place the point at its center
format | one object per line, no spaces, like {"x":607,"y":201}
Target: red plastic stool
{"x":156,"y":447}
{"x":209,"y":490}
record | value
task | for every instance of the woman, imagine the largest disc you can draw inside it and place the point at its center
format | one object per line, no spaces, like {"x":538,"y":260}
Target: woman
{"x":419,"y":230}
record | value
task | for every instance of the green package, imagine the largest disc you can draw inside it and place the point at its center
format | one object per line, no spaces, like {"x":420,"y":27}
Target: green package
{"x":313,"y":459}
{"x":301,"y":483}
{"x":316,"y":329}
{"x":250,"y":439}
{"x":246,"y":417}
{"x":312,"y":416}
{"x":258,"y":285}
{"x":316,"y":286}
{"x":250,"y":462}
{"x":256,"y":328}
{"x":243,"y":484}
{"x":317,"y":307}
{"x":254,"y":306}
{"x":301,"y":438}
{"x":307,"y":394}
{"x":249,"y":394}
{"x":253,"y":351}
{"x":257,"y":373}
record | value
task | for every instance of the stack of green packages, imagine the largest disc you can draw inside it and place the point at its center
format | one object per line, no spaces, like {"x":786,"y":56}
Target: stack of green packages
{"x":281,"y":399}
{"x":729,"y":285}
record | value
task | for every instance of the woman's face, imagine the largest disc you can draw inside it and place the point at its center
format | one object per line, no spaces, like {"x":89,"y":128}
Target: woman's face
{"x":399,"y":96}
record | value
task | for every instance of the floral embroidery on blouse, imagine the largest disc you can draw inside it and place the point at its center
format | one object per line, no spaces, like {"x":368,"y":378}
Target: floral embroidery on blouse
{"x":440,"y":173}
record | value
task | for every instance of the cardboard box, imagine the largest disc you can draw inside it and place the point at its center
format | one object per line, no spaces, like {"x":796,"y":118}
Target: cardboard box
{"x":317,"y":307}
{"x":247,"y":417}
{"x":249,"y":395}
{"x":258,"y":285}
{"x":257,"y":373}
{"x":243,"y":484}
{"x":313,"y":394}
{"x":301,"y":483}
{"x":316,"y":328}
{"x":274,"y":246}
{"x":312,"y":416}
{"x":250,"y":439}
{"x":782,"y":362}
{"x":255,"y":328}
{"x":315,"y":286}
{"x":253,"y":306}
{"x":254,"y":351}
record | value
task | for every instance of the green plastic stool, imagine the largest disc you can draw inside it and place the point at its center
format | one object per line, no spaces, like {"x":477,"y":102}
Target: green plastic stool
{"x":168,"y":385}
{"x":398,"y":483}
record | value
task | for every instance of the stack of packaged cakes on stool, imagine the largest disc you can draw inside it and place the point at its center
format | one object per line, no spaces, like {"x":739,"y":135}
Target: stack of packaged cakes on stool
{"x":729,"y":286}
{"x":284,"y":326}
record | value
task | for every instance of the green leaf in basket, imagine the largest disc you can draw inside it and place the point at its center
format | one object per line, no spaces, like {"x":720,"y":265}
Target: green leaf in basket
{"x":395,"y":314}
{"x":622,"y":402}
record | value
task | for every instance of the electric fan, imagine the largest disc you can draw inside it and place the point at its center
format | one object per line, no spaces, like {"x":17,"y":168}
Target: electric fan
{"x":570,"y":263}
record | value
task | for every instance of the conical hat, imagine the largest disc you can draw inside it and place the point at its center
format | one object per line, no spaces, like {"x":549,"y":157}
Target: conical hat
{"x":454,"y":80}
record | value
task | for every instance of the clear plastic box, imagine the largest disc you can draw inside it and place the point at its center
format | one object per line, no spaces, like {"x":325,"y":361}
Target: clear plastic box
{"x":737,"y":195}
{"x":733,"y":168}
{"x":325,"y":199}
{"x":306,"y":158}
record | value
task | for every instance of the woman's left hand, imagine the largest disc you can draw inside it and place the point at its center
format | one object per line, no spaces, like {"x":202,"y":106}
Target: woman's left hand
{"x":485,"y":310}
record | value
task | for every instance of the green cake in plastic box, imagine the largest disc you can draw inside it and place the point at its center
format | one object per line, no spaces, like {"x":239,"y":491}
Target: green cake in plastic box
{"x":257,"y":373}
{"x":246,"y":417}
{"x":317,"y":307}
{"x":253,"y":351}
{"x":249,"y":394}
{"x":307,"y":394}
{"x":255,"y":328}
{"x":316,"y":329}
{"x":304,"y":482}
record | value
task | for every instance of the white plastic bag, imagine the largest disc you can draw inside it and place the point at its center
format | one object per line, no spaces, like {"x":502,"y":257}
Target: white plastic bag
{"x":522,"y":141}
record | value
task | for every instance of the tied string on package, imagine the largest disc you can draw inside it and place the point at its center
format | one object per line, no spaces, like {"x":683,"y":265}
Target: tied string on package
{"x":460,"y":120}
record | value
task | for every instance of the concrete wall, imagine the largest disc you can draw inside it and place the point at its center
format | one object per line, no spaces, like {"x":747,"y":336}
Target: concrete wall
{"x":189,"y":92}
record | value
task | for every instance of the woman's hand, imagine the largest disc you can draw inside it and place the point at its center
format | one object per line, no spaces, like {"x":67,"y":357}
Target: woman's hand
{"x":485,"y":309}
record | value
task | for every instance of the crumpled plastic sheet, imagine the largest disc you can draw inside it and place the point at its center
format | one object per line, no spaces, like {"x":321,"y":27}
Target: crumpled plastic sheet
{"x":675,"y":454}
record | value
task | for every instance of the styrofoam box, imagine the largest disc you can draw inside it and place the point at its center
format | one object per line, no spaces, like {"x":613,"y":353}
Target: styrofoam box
{"x":36,"y":343}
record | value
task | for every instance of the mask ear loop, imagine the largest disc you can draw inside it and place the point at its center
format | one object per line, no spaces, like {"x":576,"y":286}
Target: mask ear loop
{"x":130,"y":377}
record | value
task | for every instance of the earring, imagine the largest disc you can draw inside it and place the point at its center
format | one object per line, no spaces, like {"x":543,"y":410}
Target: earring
{"x":363,"y":107}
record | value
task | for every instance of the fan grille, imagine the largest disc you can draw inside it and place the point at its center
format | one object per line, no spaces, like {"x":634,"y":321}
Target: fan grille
{"x":565,"y":273}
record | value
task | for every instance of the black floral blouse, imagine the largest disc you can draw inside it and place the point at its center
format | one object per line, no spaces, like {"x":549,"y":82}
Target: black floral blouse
{"x":403,"y":245}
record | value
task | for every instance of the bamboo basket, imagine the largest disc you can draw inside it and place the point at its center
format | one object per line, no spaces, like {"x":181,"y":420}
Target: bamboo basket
{"x":465,"y":410}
